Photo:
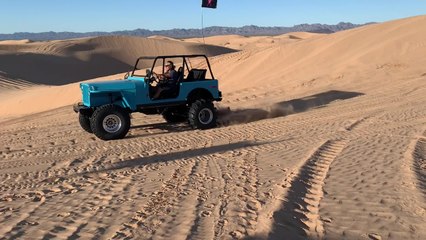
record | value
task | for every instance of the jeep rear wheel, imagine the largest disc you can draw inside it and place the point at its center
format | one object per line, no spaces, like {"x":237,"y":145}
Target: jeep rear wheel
{"x":85,"y":122}
{"x":110,"y":122}
{"x":202,"y":115}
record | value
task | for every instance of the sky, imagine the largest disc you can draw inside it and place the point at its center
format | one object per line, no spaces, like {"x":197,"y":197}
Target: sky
{"x":116,"y":15}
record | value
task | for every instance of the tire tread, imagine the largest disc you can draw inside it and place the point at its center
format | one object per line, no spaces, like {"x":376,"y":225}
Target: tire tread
{"x":97,"y":118}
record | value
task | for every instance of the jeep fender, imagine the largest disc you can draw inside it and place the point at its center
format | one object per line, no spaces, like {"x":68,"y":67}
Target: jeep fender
{"x":199,"y":93}
{"x":104,"y":98}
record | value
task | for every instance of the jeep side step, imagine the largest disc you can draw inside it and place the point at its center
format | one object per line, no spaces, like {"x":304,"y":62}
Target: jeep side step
{"x":159,"y":105}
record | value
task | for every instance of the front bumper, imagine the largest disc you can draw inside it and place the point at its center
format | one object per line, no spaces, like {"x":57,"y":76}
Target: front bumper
{"x":80,"y":108}
{"x":220,"y":97}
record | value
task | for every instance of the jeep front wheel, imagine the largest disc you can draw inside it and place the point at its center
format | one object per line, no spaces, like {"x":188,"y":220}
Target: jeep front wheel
{"x":110,"y":122}
{"x":202,"y":115}
{"x":85,"y":122}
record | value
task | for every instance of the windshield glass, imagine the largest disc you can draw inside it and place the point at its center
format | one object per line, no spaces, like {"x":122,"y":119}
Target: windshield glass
{"x":141,"y":67}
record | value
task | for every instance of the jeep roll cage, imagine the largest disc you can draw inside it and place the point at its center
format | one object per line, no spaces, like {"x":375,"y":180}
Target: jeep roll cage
{"x":163,"y":58}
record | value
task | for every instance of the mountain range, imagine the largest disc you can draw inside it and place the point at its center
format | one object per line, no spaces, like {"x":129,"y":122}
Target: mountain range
{"x":250,"y":30}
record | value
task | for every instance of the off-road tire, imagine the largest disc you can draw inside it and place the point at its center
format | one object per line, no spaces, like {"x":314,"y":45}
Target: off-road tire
{"x":174,"y":116}
{"x":85,"y":122}
{"x":110,"y":122}
{"x":202,"y":115}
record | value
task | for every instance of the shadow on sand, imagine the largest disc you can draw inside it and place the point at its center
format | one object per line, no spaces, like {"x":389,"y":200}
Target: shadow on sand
{"x":59,"y":70}
{"x":174,"y":156}
{"x":164,"y":127}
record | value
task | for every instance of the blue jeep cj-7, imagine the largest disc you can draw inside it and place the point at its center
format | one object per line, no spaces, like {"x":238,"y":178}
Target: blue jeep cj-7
{"x":106,"y":107}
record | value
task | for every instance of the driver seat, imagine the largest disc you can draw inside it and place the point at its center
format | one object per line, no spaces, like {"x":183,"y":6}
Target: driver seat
{"x":173,"y":91}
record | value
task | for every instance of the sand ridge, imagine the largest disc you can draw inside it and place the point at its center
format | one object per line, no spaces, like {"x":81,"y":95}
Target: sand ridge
{"x":246,"y":43}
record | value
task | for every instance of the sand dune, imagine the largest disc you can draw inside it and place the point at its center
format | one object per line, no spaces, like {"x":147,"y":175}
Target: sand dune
{"x":332,"y":60}
{"x":21,"y":98}
{"x":320,"y":137}
{"x":163,"y":38}
{"x":8,"y":82}
{"x":247,"y":43}
{"x":15,"y":42}
{"x":67,"y":61}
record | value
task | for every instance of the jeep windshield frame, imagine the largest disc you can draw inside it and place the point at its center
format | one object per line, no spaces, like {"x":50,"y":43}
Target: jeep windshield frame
{"x":163,"y":58}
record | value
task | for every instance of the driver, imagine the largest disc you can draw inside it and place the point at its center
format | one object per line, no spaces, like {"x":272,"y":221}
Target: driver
{"x":168,"y":79}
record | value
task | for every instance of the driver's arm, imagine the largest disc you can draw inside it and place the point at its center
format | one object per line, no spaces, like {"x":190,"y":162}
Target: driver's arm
{"x":167,"y":75}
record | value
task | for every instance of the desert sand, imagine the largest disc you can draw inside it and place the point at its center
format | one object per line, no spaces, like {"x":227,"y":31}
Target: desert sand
{"x":321,"y":136}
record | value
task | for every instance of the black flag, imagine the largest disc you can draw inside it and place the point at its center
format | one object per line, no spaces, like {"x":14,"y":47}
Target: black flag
{"x":209,"y":3}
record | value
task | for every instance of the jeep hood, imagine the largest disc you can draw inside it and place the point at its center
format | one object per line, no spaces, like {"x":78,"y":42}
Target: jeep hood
{"x":109,"y":86}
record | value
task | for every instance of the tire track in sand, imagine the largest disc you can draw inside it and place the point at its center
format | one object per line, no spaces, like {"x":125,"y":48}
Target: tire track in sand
{"x":419,"y":164}
{"x":63,"y":217}
{"x":299,"y":216}
{"x":355,"y":124}
{"x":233,"y":211}
{"x":147,"y":220}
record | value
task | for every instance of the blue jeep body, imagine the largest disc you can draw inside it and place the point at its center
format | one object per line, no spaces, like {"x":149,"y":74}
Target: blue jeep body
{"x":135,"y":94}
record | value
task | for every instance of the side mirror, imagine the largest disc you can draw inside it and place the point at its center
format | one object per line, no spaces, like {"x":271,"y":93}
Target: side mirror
{"x":148,"y":73}
{"x":127,"y":75}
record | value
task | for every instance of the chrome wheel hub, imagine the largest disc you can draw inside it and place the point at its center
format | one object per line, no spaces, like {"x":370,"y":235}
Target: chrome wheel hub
{"x":112,"y":123}
{"x":205,"y":116}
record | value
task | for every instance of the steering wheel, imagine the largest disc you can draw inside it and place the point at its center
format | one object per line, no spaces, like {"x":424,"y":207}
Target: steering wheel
{"x":154,"y":78}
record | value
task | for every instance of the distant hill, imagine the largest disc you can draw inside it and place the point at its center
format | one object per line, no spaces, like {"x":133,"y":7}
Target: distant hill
{"x":187,"y":33}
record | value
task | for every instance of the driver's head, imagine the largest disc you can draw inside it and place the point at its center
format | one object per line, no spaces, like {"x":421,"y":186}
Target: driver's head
{"x":169,"y":65}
